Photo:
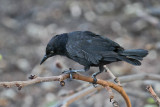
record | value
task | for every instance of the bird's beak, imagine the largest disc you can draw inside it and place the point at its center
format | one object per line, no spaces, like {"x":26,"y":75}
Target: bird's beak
{"x":44,"y":58}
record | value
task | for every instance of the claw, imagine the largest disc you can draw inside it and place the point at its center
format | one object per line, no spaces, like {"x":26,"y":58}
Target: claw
{"x":70,"y":72}
{"x":71,"y":76}
{"x":116,"y":80}
{"x":94,"y":80}
{"x":94,"y":83}
{"x":101,"y":69}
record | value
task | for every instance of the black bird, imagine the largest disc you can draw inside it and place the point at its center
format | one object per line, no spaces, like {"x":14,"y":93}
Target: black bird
{"x":90,"y":49}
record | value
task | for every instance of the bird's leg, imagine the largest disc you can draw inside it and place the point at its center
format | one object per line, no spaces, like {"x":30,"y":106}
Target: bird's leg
{"x":101,"y":69}
{"x":70,"y":71}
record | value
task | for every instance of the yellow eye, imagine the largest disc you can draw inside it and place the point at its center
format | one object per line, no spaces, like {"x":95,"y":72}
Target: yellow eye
{"x":51,"y":52}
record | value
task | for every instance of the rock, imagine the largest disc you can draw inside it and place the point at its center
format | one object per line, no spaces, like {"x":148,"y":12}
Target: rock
{"x":62,"y":92}
{"x":102,"y":7}
{"x":152,"y":55}
{"x":3,"y":65}
{"x":4,"y":102}
{"x":121,"y":69}
{"x":157,"y":45}
{"x":10,"y":23}
{"x":149,"y":46}
{"x":139,"y":25}
{"x":51,"y":28}
{"x":35,"y":31}
{"x":134,"y":9}
{"x":28,"y":100}
{"x":157,"y":88}
{"x":116,"y":26}
{"x":8,"y":93}
{"x":23,"y":64}
{"x":75,"y":9}
{"x":48,"y":86}
{"x":37,"y":70}
{"x":90,"y":16}
{"x":61,"y":30}
{"x":50,"y":97}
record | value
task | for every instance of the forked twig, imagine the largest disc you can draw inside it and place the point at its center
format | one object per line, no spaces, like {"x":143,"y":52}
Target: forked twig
{"x":61,"y":78}
{"x":123,"y":79}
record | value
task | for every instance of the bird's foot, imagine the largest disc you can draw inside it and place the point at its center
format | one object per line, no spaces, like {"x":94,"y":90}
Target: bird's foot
{"x":70,"y":72}
{"x":116,"y":80}
{"x":94,"y":83}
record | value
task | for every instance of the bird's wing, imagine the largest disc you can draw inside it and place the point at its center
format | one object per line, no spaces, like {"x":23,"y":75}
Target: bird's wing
{"x":90,"y":46}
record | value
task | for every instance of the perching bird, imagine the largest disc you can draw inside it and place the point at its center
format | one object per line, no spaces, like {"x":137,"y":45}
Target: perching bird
{"x":90,"y":49}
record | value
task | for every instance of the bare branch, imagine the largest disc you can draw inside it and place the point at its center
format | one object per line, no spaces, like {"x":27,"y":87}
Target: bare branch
{"x":136,"y":77}
{"x":123,"y":79}
{"x":105,"y":83}
{"x":77,"y":96}
{"x":112,"y":75}
{"x":153,"y":94}
{"x":114,"y":102}
{"x":61,"y":78}
{"x":82,"y":87}
{"x":21,"y":84}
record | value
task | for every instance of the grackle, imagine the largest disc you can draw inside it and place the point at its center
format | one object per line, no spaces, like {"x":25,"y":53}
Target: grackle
{"x":90,"y":49}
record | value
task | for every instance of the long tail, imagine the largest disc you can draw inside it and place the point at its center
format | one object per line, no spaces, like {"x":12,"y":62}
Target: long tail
{"x":133,"y":56}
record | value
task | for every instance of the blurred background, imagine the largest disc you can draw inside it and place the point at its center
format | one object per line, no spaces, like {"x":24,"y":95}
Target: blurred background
{"x":26,"y":26}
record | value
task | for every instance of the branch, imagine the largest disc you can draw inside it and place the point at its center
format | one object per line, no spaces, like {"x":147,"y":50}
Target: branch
{"x":114,"y":102}
{"x":76,"y":96}
{"x":105,"y":83}
{"x":123,"y":79}
{"x":112,"y":75}
{"x":71,"y":92}
{"x":21,"y":84}
{"x":136,"y":77}
{"x":61,"y":78}
{"x":153,"y":94}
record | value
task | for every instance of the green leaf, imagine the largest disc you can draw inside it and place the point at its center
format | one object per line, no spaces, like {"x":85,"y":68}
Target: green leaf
{"x":150,"y":105}
{"x":1,"y":57}
{"x":51,"y":103}
{"x":151,"y":100}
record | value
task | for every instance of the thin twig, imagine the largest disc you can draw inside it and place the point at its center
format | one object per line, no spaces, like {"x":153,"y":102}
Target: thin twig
{"x":153,"y":94}
{"x":77,"y":96}
{"x":136,"y":77}
{"x":110,"y":92}
{"x":84,"y":86}
{"x":112,"y":75}
{"x":114,"y":102}
{"x":21,"y":84}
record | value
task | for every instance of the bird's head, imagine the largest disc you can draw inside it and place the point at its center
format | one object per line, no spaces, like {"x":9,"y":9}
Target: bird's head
{"x":56,"y":46}
{"x":49,"y":53}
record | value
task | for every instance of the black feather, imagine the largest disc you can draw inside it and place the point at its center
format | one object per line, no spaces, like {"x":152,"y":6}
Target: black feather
{"x":135,"y":52}
{"x":90,"y":49}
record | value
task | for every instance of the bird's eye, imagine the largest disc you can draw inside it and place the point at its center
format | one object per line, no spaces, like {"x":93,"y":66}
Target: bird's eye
{"x":52,"y":52}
